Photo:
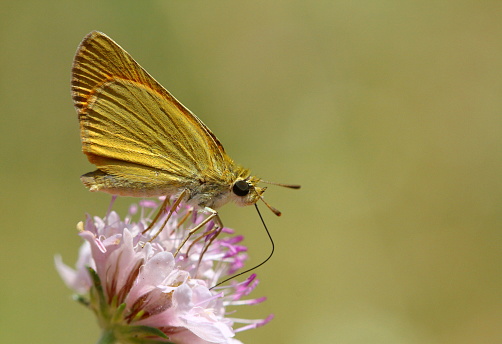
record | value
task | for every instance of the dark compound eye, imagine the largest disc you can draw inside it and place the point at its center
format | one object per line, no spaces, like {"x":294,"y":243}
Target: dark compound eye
{"x":241,"y":188}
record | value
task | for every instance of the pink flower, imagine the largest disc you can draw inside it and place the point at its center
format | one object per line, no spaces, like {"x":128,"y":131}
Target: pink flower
{"x":142,"y":293}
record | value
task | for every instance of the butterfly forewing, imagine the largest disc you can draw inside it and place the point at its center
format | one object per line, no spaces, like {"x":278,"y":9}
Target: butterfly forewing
{"x":131,"y":127}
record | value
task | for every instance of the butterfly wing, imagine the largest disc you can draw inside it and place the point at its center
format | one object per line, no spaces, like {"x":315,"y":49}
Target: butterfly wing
{"x":134,"y":129}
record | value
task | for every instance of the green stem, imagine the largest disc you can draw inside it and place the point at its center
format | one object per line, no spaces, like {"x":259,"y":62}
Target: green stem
{"x":107,"y":337}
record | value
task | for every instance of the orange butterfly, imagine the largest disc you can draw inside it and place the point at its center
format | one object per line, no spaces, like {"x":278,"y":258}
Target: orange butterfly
{"x":144,"y":142}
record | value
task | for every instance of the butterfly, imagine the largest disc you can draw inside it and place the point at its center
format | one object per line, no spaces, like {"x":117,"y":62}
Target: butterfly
{"x":145,"y":143}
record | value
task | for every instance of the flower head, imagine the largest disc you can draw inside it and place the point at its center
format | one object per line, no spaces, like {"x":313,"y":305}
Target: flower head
{"x":143,"y":292}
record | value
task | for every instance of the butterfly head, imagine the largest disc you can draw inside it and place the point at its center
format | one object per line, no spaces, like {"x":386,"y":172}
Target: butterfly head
{"x":246,"y":192}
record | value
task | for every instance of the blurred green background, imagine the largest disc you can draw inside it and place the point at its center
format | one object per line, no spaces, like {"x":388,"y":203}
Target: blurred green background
{"x":388,"y":113}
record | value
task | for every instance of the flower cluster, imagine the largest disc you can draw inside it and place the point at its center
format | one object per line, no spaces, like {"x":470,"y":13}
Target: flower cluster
{"x":144,"y":291}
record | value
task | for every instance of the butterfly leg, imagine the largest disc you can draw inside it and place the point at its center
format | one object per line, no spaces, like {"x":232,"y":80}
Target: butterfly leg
{"x":218,"y":226}
{"x":159,"y":213}
{"x":183,"y":219}
{"x":212,"y":234}
{"x":169,"y":214}
{"x":216,"y":230}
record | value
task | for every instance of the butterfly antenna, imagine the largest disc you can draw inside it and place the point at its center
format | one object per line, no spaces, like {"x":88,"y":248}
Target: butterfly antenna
{"x":290,"y":186}
{"x":257,"y":266}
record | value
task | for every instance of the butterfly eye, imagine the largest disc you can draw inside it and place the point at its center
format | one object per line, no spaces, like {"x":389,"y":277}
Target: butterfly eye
{"x":241,"y":188}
